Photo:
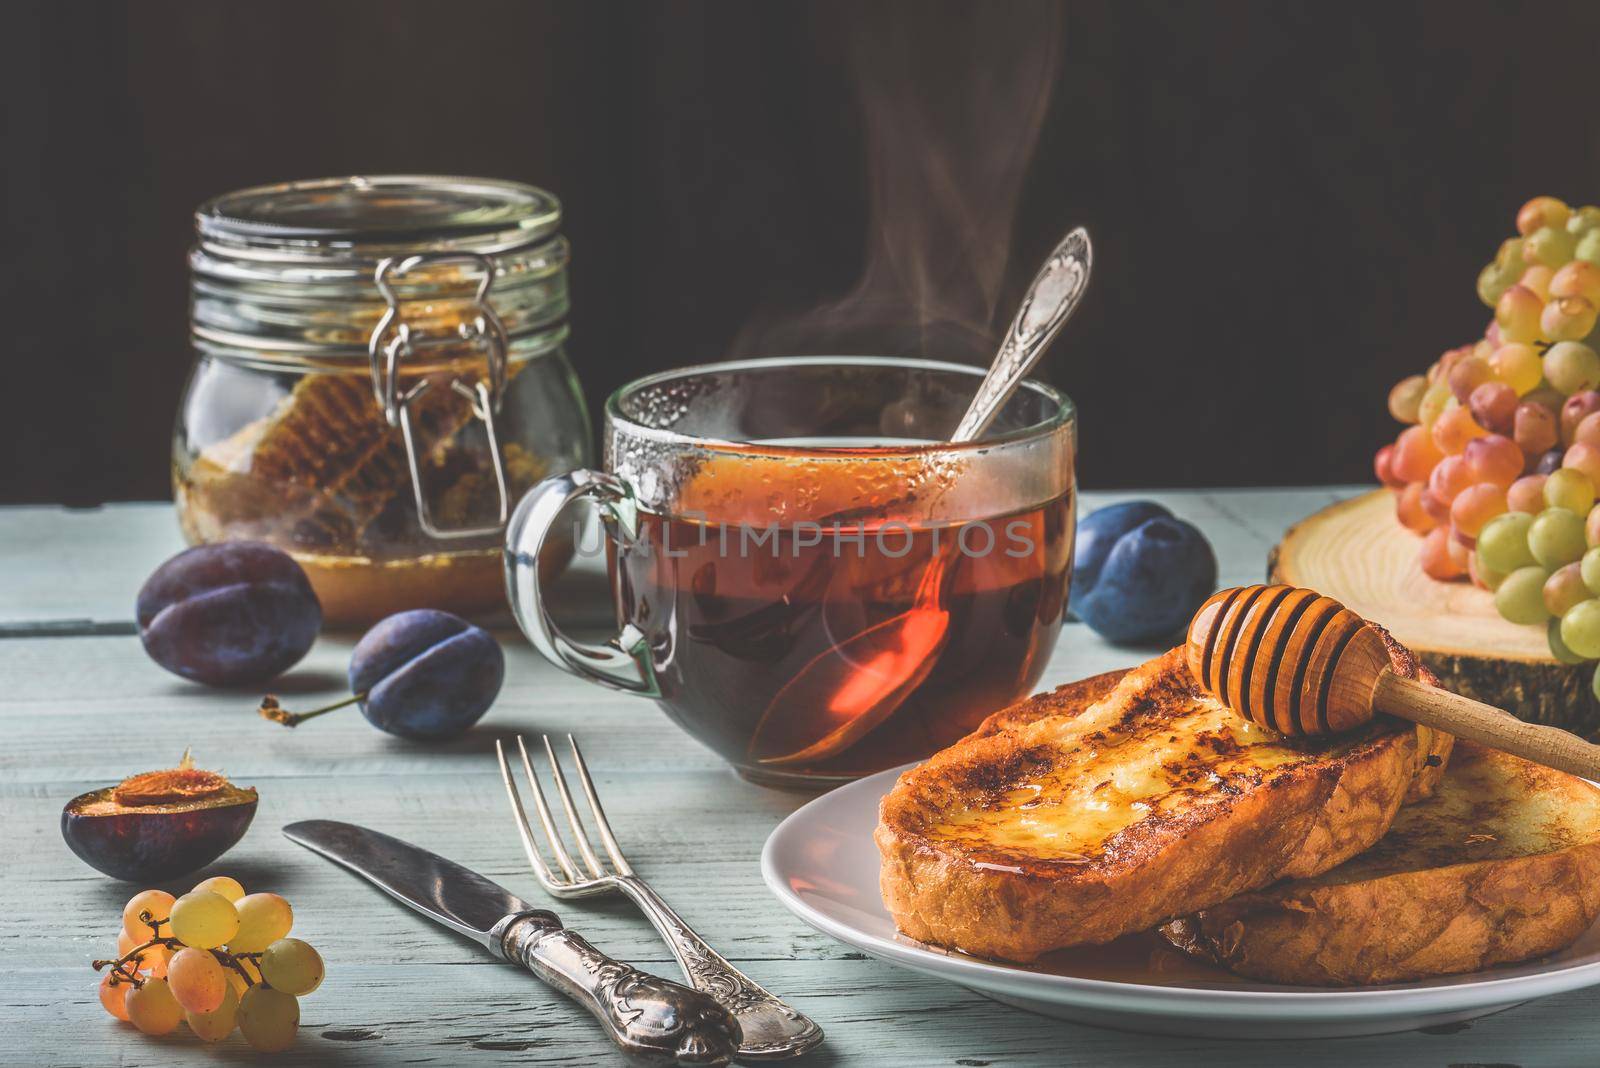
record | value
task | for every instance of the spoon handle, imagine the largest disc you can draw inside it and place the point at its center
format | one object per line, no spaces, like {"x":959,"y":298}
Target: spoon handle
{"x":1050,"y":300}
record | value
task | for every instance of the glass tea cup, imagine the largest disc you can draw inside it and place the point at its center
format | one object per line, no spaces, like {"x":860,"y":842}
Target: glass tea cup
{"x":806,"y":579}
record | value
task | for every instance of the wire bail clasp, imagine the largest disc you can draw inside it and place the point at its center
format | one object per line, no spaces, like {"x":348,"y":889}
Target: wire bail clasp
{"x":385,"y":353}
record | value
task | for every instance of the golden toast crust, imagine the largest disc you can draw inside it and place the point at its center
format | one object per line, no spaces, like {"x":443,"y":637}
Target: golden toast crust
{"x":1224,"y":817}
{"x":1503,"y":864}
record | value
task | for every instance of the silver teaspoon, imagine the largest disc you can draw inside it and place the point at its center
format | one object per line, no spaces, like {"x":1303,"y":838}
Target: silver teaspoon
{"x":831,"y":702}
{"x":1052,"y":298}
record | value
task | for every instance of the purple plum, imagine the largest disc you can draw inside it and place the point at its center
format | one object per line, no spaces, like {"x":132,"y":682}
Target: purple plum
{"x":1151,"y":576}
{"x":235,"y":613}
{"x":426,"y":674}
{"x":418,"y":674}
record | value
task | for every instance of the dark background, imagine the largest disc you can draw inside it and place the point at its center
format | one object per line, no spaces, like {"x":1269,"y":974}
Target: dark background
{"x":1290,"y":203}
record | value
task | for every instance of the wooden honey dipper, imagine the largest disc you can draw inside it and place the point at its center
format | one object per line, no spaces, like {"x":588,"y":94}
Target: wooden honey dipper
{"x":1301,"y":663}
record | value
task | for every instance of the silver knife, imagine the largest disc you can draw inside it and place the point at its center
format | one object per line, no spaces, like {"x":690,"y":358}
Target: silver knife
{"x":649,"y":1018}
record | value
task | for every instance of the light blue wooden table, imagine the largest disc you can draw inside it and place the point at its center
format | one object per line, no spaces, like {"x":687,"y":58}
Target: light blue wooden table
{"x":81,"y":707}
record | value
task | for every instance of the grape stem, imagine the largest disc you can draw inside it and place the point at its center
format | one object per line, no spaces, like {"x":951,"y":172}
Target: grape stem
{"x":270,"y":709}
{"x":232,"y":960}
{"x":121,"y":973}
{"x":120,"y":965}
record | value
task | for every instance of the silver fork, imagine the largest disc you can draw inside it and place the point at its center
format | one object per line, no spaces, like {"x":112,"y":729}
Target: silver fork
{"x":772,"y":1030}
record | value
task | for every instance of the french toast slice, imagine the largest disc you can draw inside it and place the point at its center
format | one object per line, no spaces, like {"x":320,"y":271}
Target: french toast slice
{"x":1500,"y":864}
{"x":1120,"y":801}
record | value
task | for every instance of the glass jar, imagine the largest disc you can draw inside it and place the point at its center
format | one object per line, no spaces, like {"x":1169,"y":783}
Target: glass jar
{"x":380,"y":373}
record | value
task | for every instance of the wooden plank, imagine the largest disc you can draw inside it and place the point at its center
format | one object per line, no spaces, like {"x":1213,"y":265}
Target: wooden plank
{"x":84,"y":566}
{"x":80,"y":564}
{"x":677,"y":830}
{"x":156,"y":715}
{"x":81,"y":712}
{"x":72,"y":571}
{"x":876,"y":1016}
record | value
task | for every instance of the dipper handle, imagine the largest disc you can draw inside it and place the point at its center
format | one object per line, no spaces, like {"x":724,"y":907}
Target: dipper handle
{"x":1301,"y":663}
{"x":1485,"y":724}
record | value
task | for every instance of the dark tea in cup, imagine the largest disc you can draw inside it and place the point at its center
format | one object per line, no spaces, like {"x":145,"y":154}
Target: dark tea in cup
{"x":806,"y":579}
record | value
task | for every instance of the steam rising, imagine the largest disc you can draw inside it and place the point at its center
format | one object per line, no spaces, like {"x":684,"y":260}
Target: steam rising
{"x":949,"y":136}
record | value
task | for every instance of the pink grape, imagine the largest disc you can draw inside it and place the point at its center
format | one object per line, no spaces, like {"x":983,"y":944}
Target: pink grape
{"x":1541,"y":212}
{"x":158,"y":903}
{"x":1481,"y":577}
{"x":1436,"y":558}
{"x":152,"y":1008}
{"x":1440,"y":371}
{"x":1475,"y":506}
{"x":1587,"y":431}
{"x":1435,"y":506}
{"x":1468,"y":374}
{"x":1454,"y":474}
{"x":1415,"y":454}
{"x":1580,"y":278}
{"x":1535,"y":428}
{"x":1565,"y":589}
{"x":152,"y":960}
{"x":1574,"y":411}
{"x":197,"y":980}
{"x":1527,"y":494}
{"x":1453,"y":429}
{"x":1383,"y":467}
{"x":1583,"y":457}
{"x":1494,"y":406}
{"x":1408,"y":509}
{"x":1495,"y":458}
{"x":113,"y":996}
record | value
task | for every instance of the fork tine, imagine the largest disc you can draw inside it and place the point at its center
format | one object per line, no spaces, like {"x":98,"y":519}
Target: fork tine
{"x":584,"y":847}
{"x":602,"y":824}
{"x":525,"y":832}
{"x":551,"y":835}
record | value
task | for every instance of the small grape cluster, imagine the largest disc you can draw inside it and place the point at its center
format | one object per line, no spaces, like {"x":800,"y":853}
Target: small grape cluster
{"x":1499,"y":465}
{"x":217,"y":958}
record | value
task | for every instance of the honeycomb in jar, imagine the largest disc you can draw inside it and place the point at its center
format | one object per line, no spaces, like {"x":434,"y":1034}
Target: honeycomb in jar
{"x":326,"y":472}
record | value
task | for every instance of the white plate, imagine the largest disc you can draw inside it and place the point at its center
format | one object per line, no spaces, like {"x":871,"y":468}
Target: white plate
{"x":821,"y":863}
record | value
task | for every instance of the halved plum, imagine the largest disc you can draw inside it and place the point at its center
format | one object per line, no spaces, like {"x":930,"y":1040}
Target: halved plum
{"x":158,"y":825}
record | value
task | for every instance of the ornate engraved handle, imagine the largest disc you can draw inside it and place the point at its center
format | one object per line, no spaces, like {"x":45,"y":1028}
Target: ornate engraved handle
{"x":649,"y":1018}
{"x":1050,"y":300}
{"x":772,"y":1029}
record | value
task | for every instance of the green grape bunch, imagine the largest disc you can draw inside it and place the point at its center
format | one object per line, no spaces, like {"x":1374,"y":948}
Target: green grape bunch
{"x":217,"y":959}
{"x":1498,"y":465}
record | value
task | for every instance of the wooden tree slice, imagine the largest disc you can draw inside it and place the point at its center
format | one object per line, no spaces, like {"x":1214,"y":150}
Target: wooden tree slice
{"x":1356,"y":552}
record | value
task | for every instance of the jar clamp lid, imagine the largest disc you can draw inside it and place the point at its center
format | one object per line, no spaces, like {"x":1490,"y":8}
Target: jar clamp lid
{"x":291,"y":271}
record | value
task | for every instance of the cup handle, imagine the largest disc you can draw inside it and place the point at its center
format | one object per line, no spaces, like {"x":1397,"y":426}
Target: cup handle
{"x":623,"y":662}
